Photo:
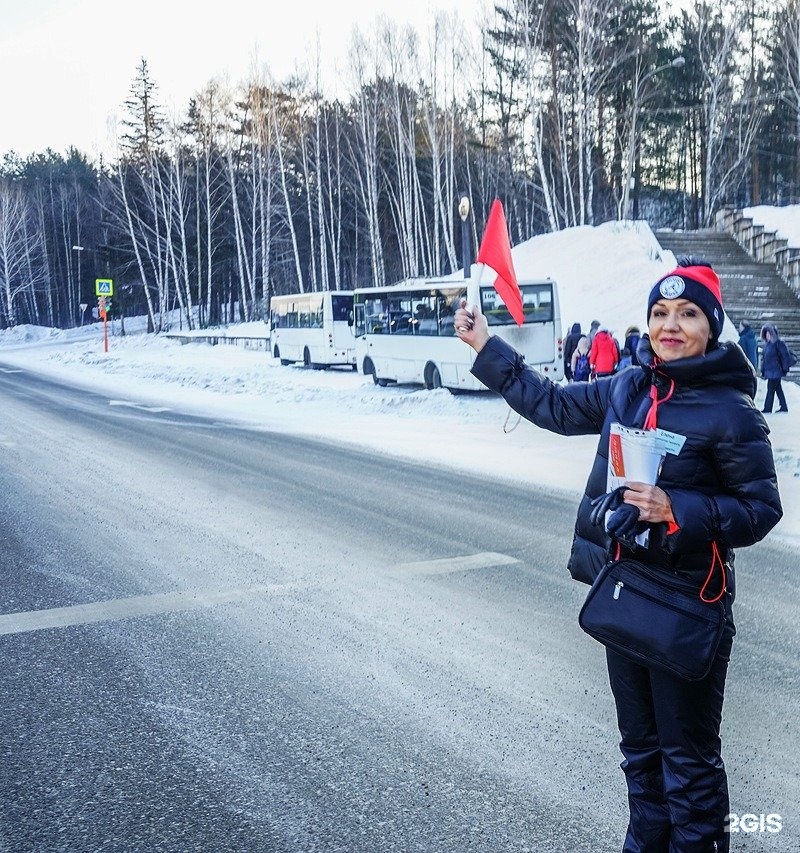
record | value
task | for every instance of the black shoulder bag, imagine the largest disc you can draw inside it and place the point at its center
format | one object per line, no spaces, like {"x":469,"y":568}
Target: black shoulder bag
{"x":655,"y":618}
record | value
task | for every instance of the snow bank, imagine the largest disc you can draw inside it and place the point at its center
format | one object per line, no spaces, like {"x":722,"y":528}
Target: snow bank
{"x":784,"y":220}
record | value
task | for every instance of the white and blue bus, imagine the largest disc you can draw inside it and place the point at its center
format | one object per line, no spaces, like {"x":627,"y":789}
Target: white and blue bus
{"x":404,"y":333}
{"x":313,"y":328}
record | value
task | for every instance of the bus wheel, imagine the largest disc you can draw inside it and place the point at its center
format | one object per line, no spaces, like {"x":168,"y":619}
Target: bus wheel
{"x":433,"y":379}
{"x":368,"y":368}
{"x":306,"y":357}
{"x":276,"y":353}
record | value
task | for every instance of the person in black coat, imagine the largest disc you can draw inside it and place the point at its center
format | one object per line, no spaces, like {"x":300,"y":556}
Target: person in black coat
{"x":632,"y":338}
{"x":718,"y":493}
{"x":570,"y":345}
{"x":747,"y":341}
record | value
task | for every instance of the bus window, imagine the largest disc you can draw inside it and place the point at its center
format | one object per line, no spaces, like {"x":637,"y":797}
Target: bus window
{"x":375,"y":316}
{"x":537,"y":305}
{"x":401,"y":315}
{"x":448,"y":303}
{"x":424,"y":320}
{"x":342,"y":306}
{"x":309,"y":311}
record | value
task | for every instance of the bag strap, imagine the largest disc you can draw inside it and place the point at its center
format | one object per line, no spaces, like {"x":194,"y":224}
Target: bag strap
{"x":716,"y":560}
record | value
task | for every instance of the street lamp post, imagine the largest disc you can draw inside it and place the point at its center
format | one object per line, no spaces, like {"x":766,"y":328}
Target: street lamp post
{"x":463,"y":212}
{"x":634,"y":152}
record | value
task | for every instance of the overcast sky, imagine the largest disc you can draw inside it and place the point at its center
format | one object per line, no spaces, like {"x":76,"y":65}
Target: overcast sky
{"x":66,"y":66}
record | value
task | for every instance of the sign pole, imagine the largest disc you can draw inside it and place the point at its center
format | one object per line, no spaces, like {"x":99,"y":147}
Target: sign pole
{"x":104,"y":287}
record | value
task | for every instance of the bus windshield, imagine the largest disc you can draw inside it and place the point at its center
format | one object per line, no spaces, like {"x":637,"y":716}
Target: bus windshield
{"x":537,"y":305}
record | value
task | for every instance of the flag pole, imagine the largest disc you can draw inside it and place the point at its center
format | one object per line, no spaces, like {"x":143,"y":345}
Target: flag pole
{"x":474,"y":288}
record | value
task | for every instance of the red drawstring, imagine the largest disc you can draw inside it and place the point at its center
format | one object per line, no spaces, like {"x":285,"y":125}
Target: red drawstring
{"x":651,"y":418}
{"x":716,"y":559}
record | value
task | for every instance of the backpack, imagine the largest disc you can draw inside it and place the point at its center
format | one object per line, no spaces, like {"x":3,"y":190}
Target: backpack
{"x":786,"y":358}
{"x":581,"y":372}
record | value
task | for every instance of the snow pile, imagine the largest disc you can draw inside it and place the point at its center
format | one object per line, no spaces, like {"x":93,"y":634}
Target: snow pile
{"x":784,"y":220}
{"x":602,"y":273}
{"x":26,"y":334}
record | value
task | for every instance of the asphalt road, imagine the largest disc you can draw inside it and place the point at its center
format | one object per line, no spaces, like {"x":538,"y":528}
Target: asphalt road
{"x":215,"y":639}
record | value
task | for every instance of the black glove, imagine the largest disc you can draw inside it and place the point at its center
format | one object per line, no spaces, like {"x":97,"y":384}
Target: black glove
{"x":623,"y":524}
{"x":603,"y":504}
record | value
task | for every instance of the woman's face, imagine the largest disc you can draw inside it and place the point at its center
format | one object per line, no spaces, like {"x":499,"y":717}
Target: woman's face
{"x":678,"y":329}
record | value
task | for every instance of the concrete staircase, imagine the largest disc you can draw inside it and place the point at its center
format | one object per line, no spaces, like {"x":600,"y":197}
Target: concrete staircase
{"x":751,"y":291}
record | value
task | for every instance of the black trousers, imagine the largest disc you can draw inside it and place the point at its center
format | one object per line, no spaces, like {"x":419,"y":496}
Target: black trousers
{"x":773,"y":388}
{"x":677,"y":787}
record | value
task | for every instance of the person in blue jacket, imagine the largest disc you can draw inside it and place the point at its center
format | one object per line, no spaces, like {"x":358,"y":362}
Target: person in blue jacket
{"x":747,"y":341}
{"x":774,"y":366}
{"x":718,"y":493}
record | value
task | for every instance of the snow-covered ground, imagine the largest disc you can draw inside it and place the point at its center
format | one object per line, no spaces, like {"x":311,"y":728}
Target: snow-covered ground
{"x":784,"y":220}
{"x":603,"y":273}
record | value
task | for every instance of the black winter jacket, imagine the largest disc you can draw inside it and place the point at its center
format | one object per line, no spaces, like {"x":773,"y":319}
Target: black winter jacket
{"x":722,"y":484}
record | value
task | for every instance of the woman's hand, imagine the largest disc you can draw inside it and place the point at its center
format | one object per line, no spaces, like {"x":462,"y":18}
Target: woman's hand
{"x":653,"y":503}
{"x":471,"y":327}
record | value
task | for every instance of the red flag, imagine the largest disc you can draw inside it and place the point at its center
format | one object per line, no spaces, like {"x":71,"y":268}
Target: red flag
{"x":495,"y":252}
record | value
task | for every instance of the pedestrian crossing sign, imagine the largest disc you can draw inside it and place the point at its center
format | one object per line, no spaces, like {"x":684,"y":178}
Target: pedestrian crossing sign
{"x":103,"y":287}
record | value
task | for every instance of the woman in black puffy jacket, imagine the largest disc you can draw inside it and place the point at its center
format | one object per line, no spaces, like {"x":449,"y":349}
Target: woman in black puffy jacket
{"x":718,"y":493}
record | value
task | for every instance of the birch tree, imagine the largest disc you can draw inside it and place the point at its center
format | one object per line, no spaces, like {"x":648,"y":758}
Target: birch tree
{"x":364,"y":154}
{"x":730,"y":109}
{"x":20,"y":249}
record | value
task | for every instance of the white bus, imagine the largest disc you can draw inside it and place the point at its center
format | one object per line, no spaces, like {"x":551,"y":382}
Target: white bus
{"x":405,"y":333}
{"x":313,"y":328}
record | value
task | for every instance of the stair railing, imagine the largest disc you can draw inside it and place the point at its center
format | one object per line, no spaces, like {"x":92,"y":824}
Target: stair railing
{"x":762,"y":246}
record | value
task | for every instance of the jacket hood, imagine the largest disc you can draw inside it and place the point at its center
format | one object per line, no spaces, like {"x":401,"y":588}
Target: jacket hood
{"x":576,"y":329}
{"x":724,"y":364}
{"x":772,"y":329}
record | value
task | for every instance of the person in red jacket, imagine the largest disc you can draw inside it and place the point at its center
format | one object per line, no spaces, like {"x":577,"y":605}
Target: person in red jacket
{"x":604,"y":355}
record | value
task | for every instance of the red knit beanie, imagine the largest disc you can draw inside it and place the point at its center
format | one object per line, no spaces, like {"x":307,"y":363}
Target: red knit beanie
{"x":698,"y":283}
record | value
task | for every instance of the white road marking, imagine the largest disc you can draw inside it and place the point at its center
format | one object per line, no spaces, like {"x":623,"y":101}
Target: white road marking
{"x":130,"y":405}
{"x":454,"y":564}
{"x":143,"y":605}
{"x":9,"y":370}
